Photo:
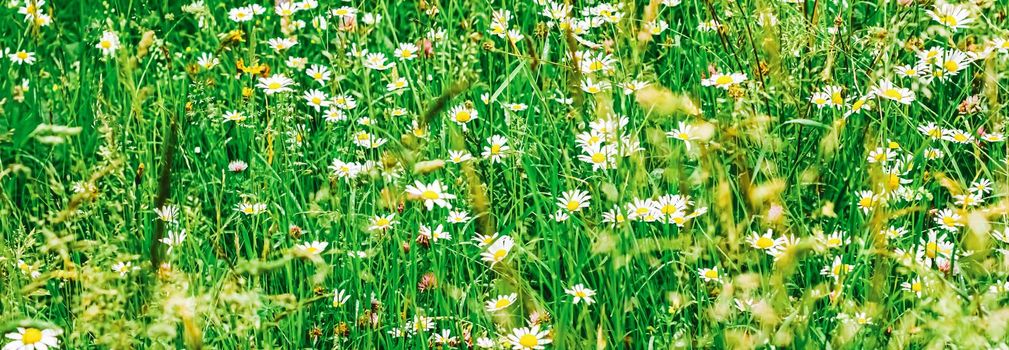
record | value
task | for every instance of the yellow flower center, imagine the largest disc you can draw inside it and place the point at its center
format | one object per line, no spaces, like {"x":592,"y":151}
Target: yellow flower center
{"x":382,"y":222}
{"x":723,"y":80}
{"x":495,"y":149}
{"x":951,"y":66}
{"x":273,"y":86}
{"x":931,"y":249}
{"x":836,"y":98}
{"x":598,"y":157}
{"x":949,"y":20}
{"x":765,"y":242}
{"x":463,"y":116}
{"x":23,"y":55}
{"x":948,"y":221}
{"x":31,"y":336}
{"x":429,"y":195}
{"x":712,"y":274}
{"x":573,"y":205}
{"x":501,"y":303}
{"x":500,"y":254}
{"x":529,"y":340}
{"x":892,"y":94}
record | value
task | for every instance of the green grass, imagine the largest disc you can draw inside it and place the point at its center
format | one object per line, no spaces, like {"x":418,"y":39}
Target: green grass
{"x":97,"y":142}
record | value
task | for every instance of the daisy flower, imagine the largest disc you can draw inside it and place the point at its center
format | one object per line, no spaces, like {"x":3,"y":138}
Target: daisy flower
{"x":574,"y":201}
{"x":724,"y":81}
{"x":379,"y":222}
{"x":498,"y":251}
{"x":709,"y":274}
{"x":316,"y":99}
{"x":109,"y":43}
{"x":459,"y":156}
{"x":406,"y":51}
{"x":952,"y":16}
{"x":275,"y":83}
{"x":887,"y":90}
{"x":34,"y":339}
{"x":496,"y":149}
{"x":311,"y":248}
{"x":531,"y":338}
{"x":432,"y":194}
{"x":581,"y":294}
{"x":22,"y":57}
{"x":501,"y":302}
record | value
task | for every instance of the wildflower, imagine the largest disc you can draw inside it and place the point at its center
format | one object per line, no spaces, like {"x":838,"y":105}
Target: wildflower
{"x":933,"y":248}
{"x":574,"y":201}
{"x":913,"y":286}
{"x":560,"y":215}
{"x":462,"y":115}
{"x":173,"y":239}
{"x":868,"y":200}
{"x":981,"y":185}
{"x":836,"y":269}
{"x":496,"y":149}
{"x":887,"y":90}
{"x":948,"y":219}
{"x":406,"y":51}
{"x":240,"y":14}
{"x":501,"y":302}
{"x":528,"y":338}
{"x":206,"y":60}
{"x":601,"y":157}
{"x":237,"y":166}
{"x":438,"y":233}
{"x":22,"y":57}
{"x":951,"y":62}
{"x":432,"y":194}
{"x":380,"y":223}
{"x":457,"y":217}
{"x":318,"y":73}
{"x":311,"y":248}
{"x":498,"y":251}
{"x":167,"y":213}
{"x":709,"y":274}
{"x":685,"y":133}
{"x":957,"y":136}
{"x":340,"y":298}
{"x":33,"y":339}
{"x":581,"y":294}
{"x":275,"y":83}
{"x":376,"y":61}
{"x":952,"y":16}
{"x":316,"y":99}
{"x":643,"y":210}
{"x":397,"y":84}
{"x":251,"y":208}
{"x":459,"y":156}
{"x":109,"y":43}
{"x":345,"y":170}
{"x":835,"y":240}
{"x":724,"y":81}
{"x":931,"y":131}
{"x":765,"y":242}
{"x":485,"y":240}
{"x":122,"y":268}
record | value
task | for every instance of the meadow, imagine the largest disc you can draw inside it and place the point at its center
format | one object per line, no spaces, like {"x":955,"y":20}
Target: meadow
{"x":522,"y":174}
